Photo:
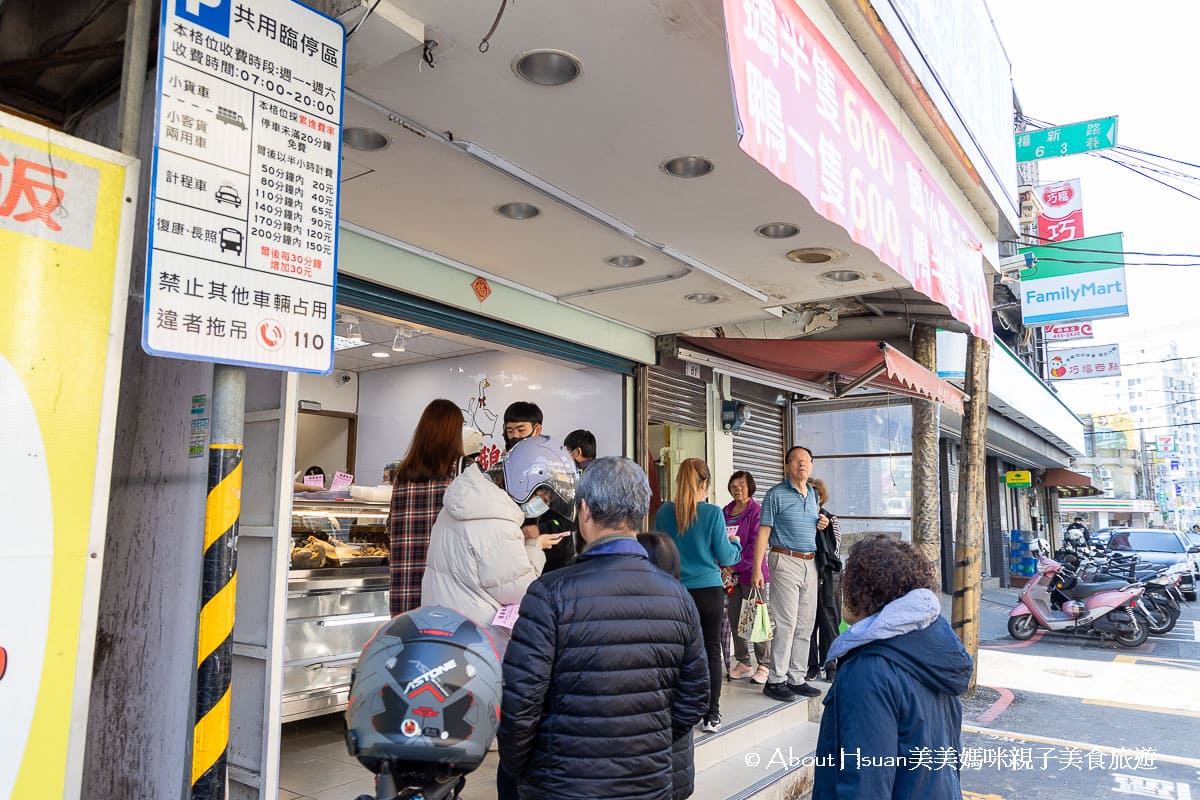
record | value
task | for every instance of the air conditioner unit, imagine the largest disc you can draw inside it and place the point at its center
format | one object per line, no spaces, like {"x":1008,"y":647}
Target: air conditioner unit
{"x":1104,"y":473}
{"x":1106,"y":484}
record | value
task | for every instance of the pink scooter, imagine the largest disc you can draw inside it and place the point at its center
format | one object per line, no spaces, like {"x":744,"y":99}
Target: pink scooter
{"x":1107,"y":608}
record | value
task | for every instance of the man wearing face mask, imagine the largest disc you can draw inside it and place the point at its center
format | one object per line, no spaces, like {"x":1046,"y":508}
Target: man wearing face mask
{"x":523,"y":420}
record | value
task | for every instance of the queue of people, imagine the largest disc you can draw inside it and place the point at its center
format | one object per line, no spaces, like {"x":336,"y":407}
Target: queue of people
{"x":611,"y":639}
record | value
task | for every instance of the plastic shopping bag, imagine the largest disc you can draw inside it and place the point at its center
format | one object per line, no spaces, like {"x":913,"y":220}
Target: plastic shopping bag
{"x":763,"y":631}
{"x":745,"y":626}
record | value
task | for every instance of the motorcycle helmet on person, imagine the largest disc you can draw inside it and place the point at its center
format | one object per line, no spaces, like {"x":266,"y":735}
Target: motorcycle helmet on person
{"x":424,"y":704}
{"x":535,"y":463}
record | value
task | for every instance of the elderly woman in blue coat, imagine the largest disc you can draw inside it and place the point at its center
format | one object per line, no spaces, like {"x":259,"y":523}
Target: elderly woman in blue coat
{"x":891,"y":727}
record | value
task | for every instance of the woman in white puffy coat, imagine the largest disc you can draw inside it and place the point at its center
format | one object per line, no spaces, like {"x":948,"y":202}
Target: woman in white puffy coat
{"x":479,"y":557}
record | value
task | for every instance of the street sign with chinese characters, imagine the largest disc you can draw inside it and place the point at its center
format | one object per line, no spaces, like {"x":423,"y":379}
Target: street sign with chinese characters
{"x":66,"y":232}
{"x":244,"y":199}
{"x":1065,"y":140}
{"x":1061,"y":217}
{"x":805,"y":116}
{"x":1101,"y":361}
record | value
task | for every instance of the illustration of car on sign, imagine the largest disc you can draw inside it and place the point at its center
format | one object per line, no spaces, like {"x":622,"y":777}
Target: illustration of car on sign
{"x":230,"y":117}
{"x":228,"y":194}
{"x":231,"y":239}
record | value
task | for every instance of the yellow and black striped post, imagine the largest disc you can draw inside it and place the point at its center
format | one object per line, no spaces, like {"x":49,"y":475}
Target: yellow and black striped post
{"x":214,"y":652}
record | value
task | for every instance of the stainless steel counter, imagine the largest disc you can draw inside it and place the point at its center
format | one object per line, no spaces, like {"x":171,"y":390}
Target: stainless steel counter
{"x":331,"y":613}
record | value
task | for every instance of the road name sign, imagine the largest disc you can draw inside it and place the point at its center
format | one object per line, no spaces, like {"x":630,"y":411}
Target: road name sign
{"x":1067,"y":140}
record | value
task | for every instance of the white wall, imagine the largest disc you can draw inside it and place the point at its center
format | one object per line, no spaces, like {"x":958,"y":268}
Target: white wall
{"x":324,"y":442}
{"x":391,"y":401}
{"x":333,"y":391}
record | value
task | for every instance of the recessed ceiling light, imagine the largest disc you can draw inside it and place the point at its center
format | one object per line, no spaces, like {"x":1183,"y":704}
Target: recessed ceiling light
{"x":380,"y":354}
{"x":625,"y":262}
{"x":777,"y":230}
{"x":687,"y":166}
{"x":813,"y":255}
{"x":703,"y":298}
{"x":842,"y":275}
{"x":547,"y":67}
{"x":518,"y":210}
{"x":363,"y":139}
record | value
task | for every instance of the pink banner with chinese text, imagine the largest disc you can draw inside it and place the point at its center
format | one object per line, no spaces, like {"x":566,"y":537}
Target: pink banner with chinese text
{"x":1062,"y":211}
{"x":806,"y":117}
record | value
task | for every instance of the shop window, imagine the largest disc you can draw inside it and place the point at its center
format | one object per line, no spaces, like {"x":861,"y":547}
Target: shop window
{"x":879,"y":430}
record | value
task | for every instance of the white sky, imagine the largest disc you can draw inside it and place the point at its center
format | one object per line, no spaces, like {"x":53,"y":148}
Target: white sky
{"x":1075,"y":60}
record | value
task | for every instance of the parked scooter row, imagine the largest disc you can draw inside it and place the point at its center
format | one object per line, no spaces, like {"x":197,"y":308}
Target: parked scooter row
{"x":1087,"y":592}
{"x":1162,"y":599}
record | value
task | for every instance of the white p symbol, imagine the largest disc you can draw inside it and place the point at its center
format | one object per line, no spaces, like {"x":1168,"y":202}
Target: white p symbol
{"x":193,"y":6}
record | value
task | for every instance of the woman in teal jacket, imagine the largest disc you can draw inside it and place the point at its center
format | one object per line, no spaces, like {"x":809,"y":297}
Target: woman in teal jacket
{"x":698,"y":530}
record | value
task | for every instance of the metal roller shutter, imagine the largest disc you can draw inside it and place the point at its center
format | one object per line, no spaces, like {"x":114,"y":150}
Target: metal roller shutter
{"x":759,"y":446}
{"x":677,"y":399}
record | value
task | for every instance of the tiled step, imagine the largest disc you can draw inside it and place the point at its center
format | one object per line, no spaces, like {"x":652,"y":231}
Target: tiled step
{"x":759,"y":752}
{"x":316,"y":766}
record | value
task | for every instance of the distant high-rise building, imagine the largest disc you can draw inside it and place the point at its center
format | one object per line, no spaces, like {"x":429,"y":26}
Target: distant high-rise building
{"x":1157,"y":389}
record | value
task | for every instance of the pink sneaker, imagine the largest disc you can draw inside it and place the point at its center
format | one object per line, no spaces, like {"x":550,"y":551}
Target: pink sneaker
{"x":740,"y":671}
{"x":760,"y":674}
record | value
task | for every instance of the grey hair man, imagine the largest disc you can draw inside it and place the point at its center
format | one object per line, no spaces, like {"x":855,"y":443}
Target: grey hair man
{"x":606,"y":668}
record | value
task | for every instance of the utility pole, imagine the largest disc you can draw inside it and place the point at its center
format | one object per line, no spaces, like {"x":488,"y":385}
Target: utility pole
{"x":926,"y":495}
{"x":972,"y":480}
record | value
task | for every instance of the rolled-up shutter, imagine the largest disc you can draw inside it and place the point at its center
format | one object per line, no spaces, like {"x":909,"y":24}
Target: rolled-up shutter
{"x":759,"y":446}
{"x":677,"y":399}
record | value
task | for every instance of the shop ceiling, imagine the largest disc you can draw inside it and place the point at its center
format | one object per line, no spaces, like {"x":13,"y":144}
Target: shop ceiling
{"x":467,"y":136}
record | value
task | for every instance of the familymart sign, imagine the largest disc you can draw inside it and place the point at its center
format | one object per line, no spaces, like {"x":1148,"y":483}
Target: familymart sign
{"x":1082,"y":279}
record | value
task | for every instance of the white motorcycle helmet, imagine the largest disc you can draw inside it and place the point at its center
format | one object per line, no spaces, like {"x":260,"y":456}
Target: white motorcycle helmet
{"x":534,"y":463}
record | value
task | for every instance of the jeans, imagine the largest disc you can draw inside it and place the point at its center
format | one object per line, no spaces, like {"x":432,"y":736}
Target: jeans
{"x":710,"y":602}
{"x":741,"y":653}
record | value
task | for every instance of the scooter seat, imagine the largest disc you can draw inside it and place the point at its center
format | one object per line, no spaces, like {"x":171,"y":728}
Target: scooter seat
{"x":1082,"y":590}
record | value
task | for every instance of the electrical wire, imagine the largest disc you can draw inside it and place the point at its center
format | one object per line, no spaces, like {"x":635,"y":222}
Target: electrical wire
{"x":358,"y":24}
{"x":1138,"y":154}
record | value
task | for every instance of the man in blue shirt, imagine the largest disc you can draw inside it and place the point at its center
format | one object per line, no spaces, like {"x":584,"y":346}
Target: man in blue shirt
{"x":788,"y":525}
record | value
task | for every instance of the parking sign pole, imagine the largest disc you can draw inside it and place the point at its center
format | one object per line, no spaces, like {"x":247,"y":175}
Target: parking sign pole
{"x":214,"y":651}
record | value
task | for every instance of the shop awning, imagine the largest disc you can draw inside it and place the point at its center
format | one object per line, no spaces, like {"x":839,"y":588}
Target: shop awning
{"x":1069,"y":484}
{"x":837,"y":367}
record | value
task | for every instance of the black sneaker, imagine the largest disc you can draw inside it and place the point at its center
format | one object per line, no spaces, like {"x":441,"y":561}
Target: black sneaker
{"x":812,"y":674}
{"x":830,"y":674}
{"x":711,"y":724}
{"x":778,"y":691}
{"x":803,"y":690}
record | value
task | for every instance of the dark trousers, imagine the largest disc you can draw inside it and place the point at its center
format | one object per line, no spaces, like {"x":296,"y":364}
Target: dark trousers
{"x":825,"y":625}
{"x":506,"y":784}
{"x":710,"y":602}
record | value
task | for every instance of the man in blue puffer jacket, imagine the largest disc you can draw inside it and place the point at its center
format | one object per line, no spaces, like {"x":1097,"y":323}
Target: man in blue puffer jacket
{"x":892,"y":721}
{"x":606,"y":668}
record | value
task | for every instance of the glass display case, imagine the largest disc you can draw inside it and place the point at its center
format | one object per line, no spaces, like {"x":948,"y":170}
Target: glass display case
{"x":337,"y":598}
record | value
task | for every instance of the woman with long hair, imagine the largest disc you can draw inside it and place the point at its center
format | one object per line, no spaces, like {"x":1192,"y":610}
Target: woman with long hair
{"x":698,"y":528}
{"x":418,"y":487}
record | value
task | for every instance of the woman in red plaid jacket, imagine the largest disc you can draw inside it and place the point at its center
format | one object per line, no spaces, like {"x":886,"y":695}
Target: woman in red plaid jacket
{"x":418,"y":486}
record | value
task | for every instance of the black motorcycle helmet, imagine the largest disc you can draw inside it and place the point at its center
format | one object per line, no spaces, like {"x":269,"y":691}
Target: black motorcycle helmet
{"x":424,"y":702}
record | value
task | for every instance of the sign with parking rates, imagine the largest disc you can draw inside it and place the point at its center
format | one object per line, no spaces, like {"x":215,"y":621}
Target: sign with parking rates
{"x":242,"y":254}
